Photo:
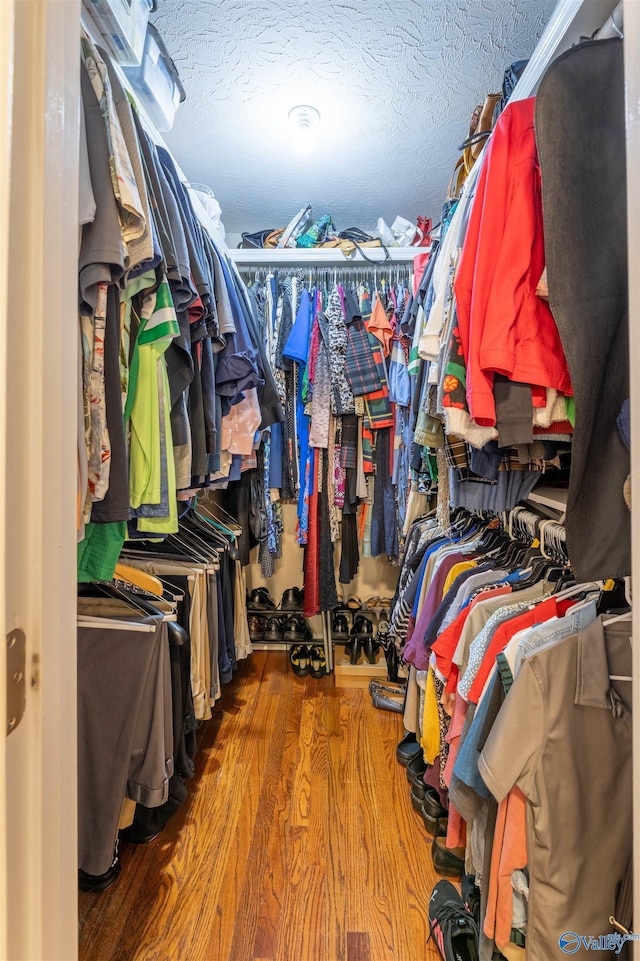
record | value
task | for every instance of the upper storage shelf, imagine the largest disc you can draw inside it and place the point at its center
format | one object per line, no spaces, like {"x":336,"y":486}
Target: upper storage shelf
{"x":285,"y":256}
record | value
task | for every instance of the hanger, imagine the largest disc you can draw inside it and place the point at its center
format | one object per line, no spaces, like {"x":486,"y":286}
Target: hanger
{"x":586,"y":587}
{"x":109,"y":589}
{"x":627,"y":616}
{"x":216,"y":512}
{"x":194,"y":546}
{"x":133,"y":575}
{"x":614,"y":620}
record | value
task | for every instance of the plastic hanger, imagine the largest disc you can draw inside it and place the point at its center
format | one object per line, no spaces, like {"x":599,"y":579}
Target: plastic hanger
{"x":133,"y":575}
{"x":617,"y":618}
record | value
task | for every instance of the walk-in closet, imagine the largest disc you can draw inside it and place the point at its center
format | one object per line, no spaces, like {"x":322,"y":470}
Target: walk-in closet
{"x":319,"y":453}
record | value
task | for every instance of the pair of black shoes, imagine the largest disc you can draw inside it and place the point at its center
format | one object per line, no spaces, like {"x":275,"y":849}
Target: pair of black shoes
{"x":362,"y":641}
{"x":308,"y":659}
{"x":260,"y":600}
{"x":277,"y":628}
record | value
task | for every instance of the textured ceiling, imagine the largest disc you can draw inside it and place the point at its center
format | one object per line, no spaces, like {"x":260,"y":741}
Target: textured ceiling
{"x":395,"y":82}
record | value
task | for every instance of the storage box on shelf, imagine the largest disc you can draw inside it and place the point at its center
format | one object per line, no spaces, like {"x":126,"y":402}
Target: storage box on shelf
{"x":123,"y":27}
{"x":156,"y":82}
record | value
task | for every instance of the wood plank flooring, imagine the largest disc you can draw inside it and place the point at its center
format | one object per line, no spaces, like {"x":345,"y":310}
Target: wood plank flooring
{"x":298,"y":841}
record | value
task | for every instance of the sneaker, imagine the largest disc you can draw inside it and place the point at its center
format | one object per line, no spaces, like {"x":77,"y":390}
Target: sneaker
{"x":453,"y":927}
{"x":317,"y":661}
{"x":471,"y":895}
{"x":300,"y":660}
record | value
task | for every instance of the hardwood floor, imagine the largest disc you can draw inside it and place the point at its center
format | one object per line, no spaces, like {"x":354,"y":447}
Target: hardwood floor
{"x":298,"y":841}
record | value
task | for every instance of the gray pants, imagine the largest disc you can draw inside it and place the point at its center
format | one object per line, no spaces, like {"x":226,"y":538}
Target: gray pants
{"x":124,"y":689}
{"x":580,"y":131}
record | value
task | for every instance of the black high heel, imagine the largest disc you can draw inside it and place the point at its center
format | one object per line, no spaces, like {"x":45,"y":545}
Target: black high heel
{"x":391,"y":655}
{"x":353,"y":648}
{"x":370,"y":647}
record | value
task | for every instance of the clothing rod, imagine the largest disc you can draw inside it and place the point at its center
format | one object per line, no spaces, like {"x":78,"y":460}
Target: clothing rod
{"x":319,"y":257}
{"x":613,"y":25}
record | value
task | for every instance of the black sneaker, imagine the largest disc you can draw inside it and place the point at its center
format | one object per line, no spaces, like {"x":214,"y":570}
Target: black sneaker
{"x":453,"y":927}
{"x":317,"y":661}
{"x":471,"y":895}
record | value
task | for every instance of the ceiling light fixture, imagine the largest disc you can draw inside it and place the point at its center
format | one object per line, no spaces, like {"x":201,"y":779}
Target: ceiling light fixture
{"x":303,"y":120}
{"x":304,"y":116}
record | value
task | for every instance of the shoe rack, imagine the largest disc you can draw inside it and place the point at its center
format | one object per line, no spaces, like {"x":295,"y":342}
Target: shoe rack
{"x":269,"y":643}
{"x":358,"y":675}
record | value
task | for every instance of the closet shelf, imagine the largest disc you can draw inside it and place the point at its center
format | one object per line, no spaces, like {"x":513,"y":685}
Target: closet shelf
{"x":332,"y":257}
{"x":554,"y":497}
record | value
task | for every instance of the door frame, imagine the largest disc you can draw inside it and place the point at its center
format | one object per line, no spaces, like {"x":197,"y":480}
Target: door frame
{"x":39,"y":100}
{"x":39,"y":129}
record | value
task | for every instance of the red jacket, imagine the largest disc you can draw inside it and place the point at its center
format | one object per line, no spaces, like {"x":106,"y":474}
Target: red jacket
{"x":504,"y":327}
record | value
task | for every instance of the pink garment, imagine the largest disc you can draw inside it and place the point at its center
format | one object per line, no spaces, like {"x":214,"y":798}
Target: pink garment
{"x":239,"y":426}
{"x":453,"y":736}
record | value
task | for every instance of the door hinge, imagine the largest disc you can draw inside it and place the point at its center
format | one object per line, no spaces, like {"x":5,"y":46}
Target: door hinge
{"x":16,"y":683}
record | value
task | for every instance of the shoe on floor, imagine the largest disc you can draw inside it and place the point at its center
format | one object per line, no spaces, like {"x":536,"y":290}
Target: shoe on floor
{"x":408,"y":748}
{"x":317,"y":661}
{"x":100,"y":882}
{"x":453,"y":927}
{"x":471,"y":895}
{"x":416,"y":767}
{"x":300,"y":660}
{"x":386,"y":703}
{"x":386,"y":687}
{"x":449,"y":862}
{"x":417,"y":796}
